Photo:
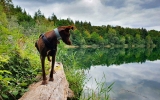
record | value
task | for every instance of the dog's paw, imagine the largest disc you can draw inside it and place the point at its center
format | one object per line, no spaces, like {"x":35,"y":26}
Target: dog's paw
{"x":44,"y":82}
{"x":51,"y":79}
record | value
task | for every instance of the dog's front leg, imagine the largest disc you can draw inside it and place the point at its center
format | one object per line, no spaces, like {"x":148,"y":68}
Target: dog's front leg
{"x":43,"y":70}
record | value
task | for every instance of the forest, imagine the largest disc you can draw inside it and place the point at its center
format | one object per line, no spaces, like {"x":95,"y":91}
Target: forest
{"x":85,"y":33}
{"x":19,"y":60}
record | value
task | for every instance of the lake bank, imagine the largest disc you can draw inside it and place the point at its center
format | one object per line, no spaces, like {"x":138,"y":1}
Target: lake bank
{"x":110,"y":46}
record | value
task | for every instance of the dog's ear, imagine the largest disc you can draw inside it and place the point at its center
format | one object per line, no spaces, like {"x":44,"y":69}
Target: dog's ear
{"x":68,"y":28}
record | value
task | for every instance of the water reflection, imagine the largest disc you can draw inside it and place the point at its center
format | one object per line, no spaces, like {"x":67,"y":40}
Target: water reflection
{"x":85,"y":58}
{"x":133,"y":81}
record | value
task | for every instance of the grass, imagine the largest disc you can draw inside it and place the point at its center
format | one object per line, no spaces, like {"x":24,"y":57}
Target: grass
{"x":76,"y":81}
{"x":77,"y":78}
{"x":100,"y":92}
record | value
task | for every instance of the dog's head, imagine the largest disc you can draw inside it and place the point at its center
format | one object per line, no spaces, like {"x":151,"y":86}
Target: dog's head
{"x":65,"y":34}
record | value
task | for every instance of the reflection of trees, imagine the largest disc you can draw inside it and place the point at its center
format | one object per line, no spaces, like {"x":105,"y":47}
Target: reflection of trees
{"x":103,"y":56}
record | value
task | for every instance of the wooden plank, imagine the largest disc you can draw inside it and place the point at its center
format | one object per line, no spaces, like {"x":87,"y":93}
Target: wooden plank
{"x":56,"y":90}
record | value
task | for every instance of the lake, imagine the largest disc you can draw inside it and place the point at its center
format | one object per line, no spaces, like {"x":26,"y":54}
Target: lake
{"x":135,"y":72}
{"x":133,"y":81}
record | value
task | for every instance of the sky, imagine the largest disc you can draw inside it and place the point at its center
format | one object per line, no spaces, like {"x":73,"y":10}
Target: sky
{"x":125,"y":13}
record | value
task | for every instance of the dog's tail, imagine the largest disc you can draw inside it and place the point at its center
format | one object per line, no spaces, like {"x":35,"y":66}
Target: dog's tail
{"x":40,"y":35}
{"x":36,"y":45}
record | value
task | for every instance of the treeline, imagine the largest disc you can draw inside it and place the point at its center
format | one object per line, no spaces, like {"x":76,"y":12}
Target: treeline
{"x":115,"y":35}
{"x":85,"y":33}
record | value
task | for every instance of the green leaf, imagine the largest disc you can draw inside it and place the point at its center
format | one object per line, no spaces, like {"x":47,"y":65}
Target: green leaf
{"x":15,"y":93}
{"x":7,"y":79}
{"x":23,"y":84}
{"x":8,"y":72}
{"x":4,"y":96}
{"x":4,"y":89}
{"x":1,"y":77}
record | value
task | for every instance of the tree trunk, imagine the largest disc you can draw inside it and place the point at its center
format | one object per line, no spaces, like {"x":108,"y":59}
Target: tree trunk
{"x":56,"y":90}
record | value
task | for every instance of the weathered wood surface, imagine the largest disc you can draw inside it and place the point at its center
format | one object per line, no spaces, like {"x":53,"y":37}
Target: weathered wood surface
{"x":56,"y":90}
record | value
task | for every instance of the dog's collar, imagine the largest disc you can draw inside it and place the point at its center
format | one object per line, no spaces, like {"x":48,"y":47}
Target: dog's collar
{"x":57,"y":33}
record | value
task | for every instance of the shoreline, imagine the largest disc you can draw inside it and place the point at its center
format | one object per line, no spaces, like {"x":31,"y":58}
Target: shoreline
{"x":110,"y":46}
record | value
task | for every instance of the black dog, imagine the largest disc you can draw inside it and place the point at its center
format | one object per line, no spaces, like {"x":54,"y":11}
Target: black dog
{"x":47,"y":46}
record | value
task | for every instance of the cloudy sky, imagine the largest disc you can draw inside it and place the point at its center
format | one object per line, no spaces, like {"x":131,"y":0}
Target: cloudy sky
{"x":126,"y":13}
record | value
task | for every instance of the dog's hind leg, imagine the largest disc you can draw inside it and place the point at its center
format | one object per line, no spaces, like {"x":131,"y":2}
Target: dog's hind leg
{"x":43,"y":70}
{"x":48,"y":55}
{"x":52,"y":67}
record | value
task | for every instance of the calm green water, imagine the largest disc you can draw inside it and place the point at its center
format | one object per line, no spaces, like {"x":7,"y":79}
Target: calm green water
{"x":136,"y":72}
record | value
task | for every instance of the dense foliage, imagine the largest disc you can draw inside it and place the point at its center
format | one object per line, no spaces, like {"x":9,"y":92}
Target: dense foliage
{"x":19,"y":60}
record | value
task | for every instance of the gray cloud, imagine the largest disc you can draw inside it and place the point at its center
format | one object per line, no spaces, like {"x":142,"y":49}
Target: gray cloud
{"x":126,"y":13}
{"x":115,"y":3}
{"x":45,"y":1}
{"x":150,"y":4}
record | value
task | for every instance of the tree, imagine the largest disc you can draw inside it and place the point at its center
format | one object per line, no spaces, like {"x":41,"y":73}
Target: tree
{"x":6,"y":5}
{"x":112,"y":37}
{"x":77,"y":38}
{"x":120,"y":30}
{"x":53,"y":18}
{"x":3,"y":19}
{"x":38,"y":14}
{"x":129,"y":39}
{"x":96,"y":39}
{"x":86,"y":36}
{"x":144,"y":33}
{"x":137,"y":39}
{"x":122,"y":40}
{"x":149,"y":41}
